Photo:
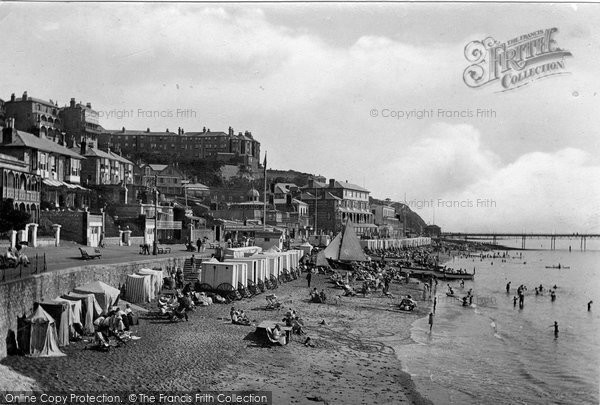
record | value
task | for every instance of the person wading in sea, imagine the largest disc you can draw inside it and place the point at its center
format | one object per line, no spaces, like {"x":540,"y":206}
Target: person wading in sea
{"x":555,"y":326}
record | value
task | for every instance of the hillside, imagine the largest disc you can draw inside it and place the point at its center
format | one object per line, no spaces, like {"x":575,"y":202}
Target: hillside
{"x":414,"y":222}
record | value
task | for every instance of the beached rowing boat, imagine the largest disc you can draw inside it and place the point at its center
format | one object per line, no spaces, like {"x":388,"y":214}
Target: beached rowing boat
{"x":558,"y":267}
{"x":438,"y":272}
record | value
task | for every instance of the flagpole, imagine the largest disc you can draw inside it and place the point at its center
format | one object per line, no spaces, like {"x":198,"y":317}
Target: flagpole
{"x":265,"y":194}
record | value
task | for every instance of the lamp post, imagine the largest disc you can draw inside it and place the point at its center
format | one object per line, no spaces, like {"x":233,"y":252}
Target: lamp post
{"x":155,"y":243}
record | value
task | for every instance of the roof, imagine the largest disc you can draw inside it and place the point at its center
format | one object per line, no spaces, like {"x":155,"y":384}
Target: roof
{"x":196,"y":187}
{"x":349,"y":186}
{"x":90,"y":152}
{"x":25,"y":139}
{"x":316,"y":184}
{"x":33,"y":99}
{"x":284,"y":187}
{"x":12,"y":160}
{"x":136,"y":132}
{"x":157,"y":167}
{"x":296,"y":201}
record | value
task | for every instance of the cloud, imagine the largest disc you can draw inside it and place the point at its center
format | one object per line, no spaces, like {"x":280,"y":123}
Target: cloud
{"x":448,"y":159}
{"x":539,"y":192}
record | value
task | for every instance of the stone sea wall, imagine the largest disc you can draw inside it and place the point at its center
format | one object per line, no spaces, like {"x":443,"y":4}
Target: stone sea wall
{"x":17,"y":296}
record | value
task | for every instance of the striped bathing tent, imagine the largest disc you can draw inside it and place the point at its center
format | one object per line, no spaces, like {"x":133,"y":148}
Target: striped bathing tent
{"x":139,"y":288}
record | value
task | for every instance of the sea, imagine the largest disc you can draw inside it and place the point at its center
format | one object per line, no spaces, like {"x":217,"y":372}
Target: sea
{"x":494,"y":352}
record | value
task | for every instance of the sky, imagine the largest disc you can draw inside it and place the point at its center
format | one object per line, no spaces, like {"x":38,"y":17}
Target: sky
{"x":336,"y":89}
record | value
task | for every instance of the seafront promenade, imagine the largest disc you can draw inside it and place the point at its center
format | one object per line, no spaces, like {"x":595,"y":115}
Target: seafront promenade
{"x":68,"y":255}
{"x":351,"y":361}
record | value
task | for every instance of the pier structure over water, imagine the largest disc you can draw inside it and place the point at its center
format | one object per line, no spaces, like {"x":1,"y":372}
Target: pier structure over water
{"x":583,"y":237}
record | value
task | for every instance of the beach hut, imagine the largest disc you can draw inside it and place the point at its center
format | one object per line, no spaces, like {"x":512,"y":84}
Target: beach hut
{"x":305,"y":248}
{"x":37,"y":336}
{"x":61,"y":313}
{"x":245,"y":251}
{"x":139,"y":288}
{"x":223,"y":277}
{"x":90,"y":307}
{"x":256,"y":267}
{"x":157,"y":280}
{"x":106,"y":295}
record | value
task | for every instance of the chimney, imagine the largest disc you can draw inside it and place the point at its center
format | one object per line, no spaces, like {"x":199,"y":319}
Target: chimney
{"x":178,"y":130}
{"x":182,"y":131}
{"x":148,"y":130}
{"x":230,"y":131}
{"x":123,"y":129}
{"x":12,"y":97}
{"x":203,"y":130}
{"x":7,"y":131}
{"x":72,"y":103}
{"x":88,"y":105}
{"x":331,"y":183}
{"x":83,"y":148}
{"x":167,"y":130}
{"x":24,"y":95}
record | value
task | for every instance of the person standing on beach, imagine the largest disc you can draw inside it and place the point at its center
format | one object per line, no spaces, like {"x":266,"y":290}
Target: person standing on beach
{"x":515,"y":301}
{"x":590,"y":305}
{"x":508,"y":288}
{"x":430,"y":321}
{"x":309,"y":277}
{"x":435,"y":304}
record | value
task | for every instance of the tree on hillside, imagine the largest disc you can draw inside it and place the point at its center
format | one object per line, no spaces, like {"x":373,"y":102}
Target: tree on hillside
{"x":11,"y":219}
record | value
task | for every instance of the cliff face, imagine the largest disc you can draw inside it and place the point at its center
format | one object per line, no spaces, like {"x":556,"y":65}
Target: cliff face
{"x":414,"y":223}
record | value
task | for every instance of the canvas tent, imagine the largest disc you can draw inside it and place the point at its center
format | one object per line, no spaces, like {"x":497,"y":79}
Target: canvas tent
{"x":37,"y":335}
{"x":156,"y":280}
{"x":75,"y":321}
{"x":106,"y":295}
{"x":90,"y":307}
{"x":61,"y":313}
{"x":139,"y":288}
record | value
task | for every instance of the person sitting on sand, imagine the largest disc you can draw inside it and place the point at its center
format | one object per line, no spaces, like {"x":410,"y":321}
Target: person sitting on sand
{"x":239,"y":318}
{"x":322,"y":296}
{"x":278,"y":335}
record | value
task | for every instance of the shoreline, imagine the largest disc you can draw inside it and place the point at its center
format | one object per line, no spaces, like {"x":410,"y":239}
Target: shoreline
{"x":352,"y":361}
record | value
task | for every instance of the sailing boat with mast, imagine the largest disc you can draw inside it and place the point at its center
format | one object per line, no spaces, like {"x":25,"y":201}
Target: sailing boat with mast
{"x":343,"y":250}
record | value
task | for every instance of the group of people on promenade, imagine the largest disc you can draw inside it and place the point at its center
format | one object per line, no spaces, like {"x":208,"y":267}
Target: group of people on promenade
{"x":16,"y":256}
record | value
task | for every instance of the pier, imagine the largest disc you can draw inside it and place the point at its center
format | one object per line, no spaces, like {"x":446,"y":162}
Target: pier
{"x":524,"y":236}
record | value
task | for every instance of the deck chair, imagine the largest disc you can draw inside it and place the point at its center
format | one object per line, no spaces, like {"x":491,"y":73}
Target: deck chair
{"x":272,"y":302}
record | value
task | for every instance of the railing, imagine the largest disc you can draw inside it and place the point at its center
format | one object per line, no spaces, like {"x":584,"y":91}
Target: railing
{"x":168,"y":224}
{"x":37,"y":265}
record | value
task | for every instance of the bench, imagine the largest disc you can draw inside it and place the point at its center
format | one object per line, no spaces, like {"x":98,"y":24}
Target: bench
{"x":162,"y":249}
{"x":87,"y":256}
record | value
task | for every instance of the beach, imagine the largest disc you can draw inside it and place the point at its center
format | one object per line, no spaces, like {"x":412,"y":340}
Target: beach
{"x":352,"y":361}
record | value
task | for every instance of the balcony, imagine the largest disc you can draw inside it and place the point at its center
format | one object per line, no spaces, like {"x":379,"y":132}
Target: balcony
{"x":161,"y":224}
{"x":21,"y":195}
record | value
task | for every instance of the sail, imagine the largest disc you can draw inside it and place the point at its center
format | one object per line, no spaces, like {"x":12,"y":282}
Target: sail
{"x":333,"y":249}
{"x":351,"y":249}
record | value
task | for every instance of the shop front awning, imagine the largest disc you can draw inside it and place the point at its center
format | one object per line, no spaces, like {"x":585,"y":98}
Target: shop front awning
{"x":58,"y":184}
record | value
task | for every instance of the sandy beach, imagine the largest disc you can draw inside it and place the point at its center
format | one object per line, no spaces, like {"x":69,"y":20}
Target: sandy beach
{"x":351,"y":363}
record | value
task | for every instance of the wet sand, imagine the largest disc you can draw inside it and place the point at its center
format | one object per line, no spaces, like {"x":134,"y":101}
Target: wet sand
{"x":351,"y":362}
